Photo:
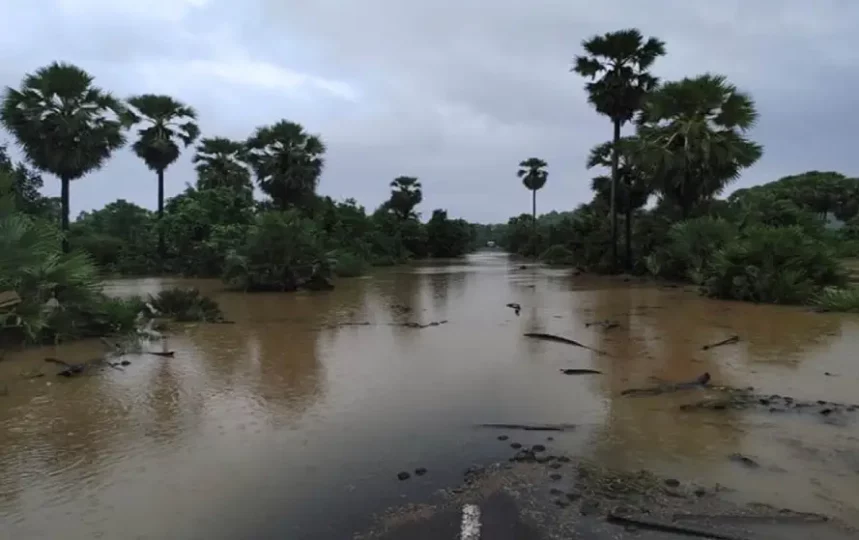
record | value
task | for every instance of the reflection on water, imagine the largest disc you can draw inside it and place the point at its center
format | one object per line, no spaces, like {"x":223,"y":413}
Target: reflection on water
{"x":289,"y":424}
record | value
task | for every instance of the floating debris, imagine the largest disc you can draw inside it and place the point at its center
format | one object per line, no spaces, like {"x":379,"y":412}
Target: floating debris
{"x":559,"y":339}
{"x":702,"y":381}
{"x":730,"y":341}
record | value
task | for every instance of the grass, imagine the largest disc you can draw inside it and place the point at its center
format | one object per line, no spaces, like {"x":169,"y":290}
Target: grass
{"x":843,"y":300}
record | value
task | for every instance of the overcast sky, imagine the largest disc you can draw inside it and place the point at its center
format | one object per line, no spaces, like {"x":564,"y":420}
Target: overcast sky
{"x":456,"y":92}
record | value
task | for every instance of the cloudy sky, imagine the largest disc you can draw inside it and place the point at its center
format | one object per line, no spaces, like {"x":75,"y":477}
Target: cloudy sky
{"x":456,"y":92}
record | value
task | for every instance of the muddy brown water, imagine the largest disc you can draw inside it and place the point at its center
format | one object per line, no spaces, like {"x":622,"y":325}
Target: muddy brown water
{"x":285,"y":425}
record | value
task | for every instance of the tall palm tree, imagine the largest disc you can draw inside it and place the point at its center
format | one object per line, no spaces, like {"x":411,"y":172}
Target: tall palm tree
{"x":165,"y":120}
{"x":66,"y":126}
{"x":617,"y":66}
{"x":533,"y":173}
{"x":635,"y":181}
{"x":287,"y":161}
{"x":221,"y":162}
{"x":406,"y":194}
{"x":695,"y":131}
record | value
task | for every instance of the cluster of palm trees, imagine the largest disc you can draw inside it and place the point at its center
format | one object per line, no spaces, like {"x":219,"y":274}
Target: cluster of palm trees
{"x":690,"y":139}
{"x":69,"y":127}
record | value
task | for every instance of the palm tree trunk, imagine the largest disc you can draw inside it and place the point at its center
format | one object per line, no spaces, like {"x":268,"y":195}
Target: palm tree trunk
{"x":629,"y":239}
{"x":160,"y":213}
{"x":615,"y":155}
{"x":64,"y":219}
{"x":534,"y":221}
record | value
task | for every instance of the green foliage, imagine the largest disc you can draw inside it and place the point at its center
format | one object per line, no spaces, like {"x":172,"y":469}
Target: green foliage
{"x":617,"y":64}
{"x":66,"y":126}
{"x":558,"y":255}
{"x":186,"y":305}
{"x":838,"y":299}
{"x":165,"y":121}
{"x":690,"y":247}
{"x":201,"y":226}
{"x":287,"y":162}
{"x":121,"y":238}
{"x":280,"y":252}
{"x":447,"y":237}
{"x":406,"y":194}
{"x":59,"y":293}
{"x":346,"y":264}
{"x":780,"y":265}
{"x":694,"y":129}
{"x":221,"y":162}
{"x":25,"y":189}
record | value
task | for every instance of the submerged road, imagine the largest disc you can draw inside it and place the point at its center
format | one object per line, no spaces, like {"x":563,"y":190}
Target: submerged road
{"x":496,"y":518}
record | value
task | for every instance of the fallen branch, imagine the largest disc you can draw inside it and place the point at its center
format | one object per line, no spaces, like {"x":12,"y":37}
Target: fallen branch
{"x":531,"y":427}
{"x":700,"y":382}
{"x":668,"y":527}
{"x":576,"y":371}
{"x":730,"y":341}
{"x":559,"y":339}
{"x":165,"y":354}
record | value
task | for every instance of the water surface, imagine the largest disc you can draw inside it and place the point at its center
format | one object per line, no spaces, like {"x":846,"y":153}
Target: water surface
{"x":290,"y":424}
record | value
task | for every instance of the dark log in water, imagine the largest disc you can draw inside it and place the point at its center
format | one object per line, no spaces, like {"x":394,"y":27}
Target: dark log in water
{"x":576,"y":371}
{"x":165,"y":354}
{"x":665,"y":526}
{"x":700,"y":382}
{"x":532,"y":427}
{"x":559,"y":339}
{"x":730,"y":341}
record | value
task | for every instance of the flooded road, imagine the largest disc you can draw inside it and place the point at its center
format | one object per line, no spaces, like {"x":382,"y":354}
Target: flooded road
{"x":294,"y":422}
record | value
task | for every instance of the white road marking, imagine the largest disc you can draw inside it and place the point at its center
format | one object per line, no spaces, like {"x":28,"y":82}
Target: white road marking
{"x":470,"y":529}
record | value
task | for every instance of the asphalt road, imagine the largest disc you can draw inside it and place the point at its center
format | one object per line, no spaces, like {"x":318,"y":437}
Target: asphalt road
{"x":499,"y":519}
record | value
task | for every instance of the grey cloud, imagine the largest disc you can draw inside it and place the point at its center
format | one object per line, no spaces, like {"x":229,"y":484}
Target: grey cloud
{"x":455,"y":92}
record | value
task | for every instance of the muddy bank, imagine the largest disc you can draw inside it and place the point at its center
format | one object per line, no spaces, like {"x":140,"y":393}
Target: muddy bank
{"x":538,"y":495}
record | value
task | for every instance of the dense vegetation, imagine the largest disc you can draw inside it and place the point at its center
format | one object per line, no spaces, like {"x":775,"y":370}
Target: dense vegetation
{"x":779,"y":242}
{"x":289,"y":238}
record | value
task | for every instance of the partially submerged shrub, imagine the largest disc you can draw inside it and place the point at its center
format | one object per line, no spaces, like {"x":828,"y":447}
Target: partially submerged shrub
{"x":558,"y":255}
{"x":780,"y":265}
{"x":281,"y":252}
{"x":346,"y":264}
{"x":690,"y":247}
{"x":186,"y":305}
{"x":838,"y":299}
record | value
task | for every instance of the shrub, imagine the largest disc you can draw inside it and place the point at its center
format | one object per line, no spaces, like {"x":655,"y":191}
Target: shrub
{"x":186,"y":305}
{"x":837,"y":299}
{"x":281,"y":252}
{"x":346,"y":264}
{"x":690,"y":246}
{"x":772,"y":264}
{"x":558,"y":255}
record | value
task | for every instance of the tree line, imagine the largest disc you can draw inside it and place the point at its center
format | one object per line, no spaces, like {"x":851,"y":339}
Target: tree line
{"x":68,"y":127}
{"x":769,"y":243}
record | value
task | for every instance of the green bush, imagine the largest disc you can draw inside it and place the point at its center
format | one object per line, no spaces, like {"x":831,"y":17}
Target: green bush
{"x":838,"y":299}
{"x":558,"y":255}
{"x":186,"y":305}
{"x":780,"y":265}
{"x":690,"y":247}
{"x":282,"y":251}
{"x":345,"y":264}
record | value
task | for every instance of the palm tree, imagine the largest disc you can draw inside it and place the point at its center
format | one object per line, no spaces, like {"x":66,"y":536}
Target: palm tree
{"x":533,"y":173}
{"x":617,"y":65}
{"x":221,"y":162}
{"x":287,"y":161}
{"x":406,"y":194}
{"x":165,"y":121}
{"x":694,"y":129}
{"x":634,"y":187}
{"x":65,"y":125}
